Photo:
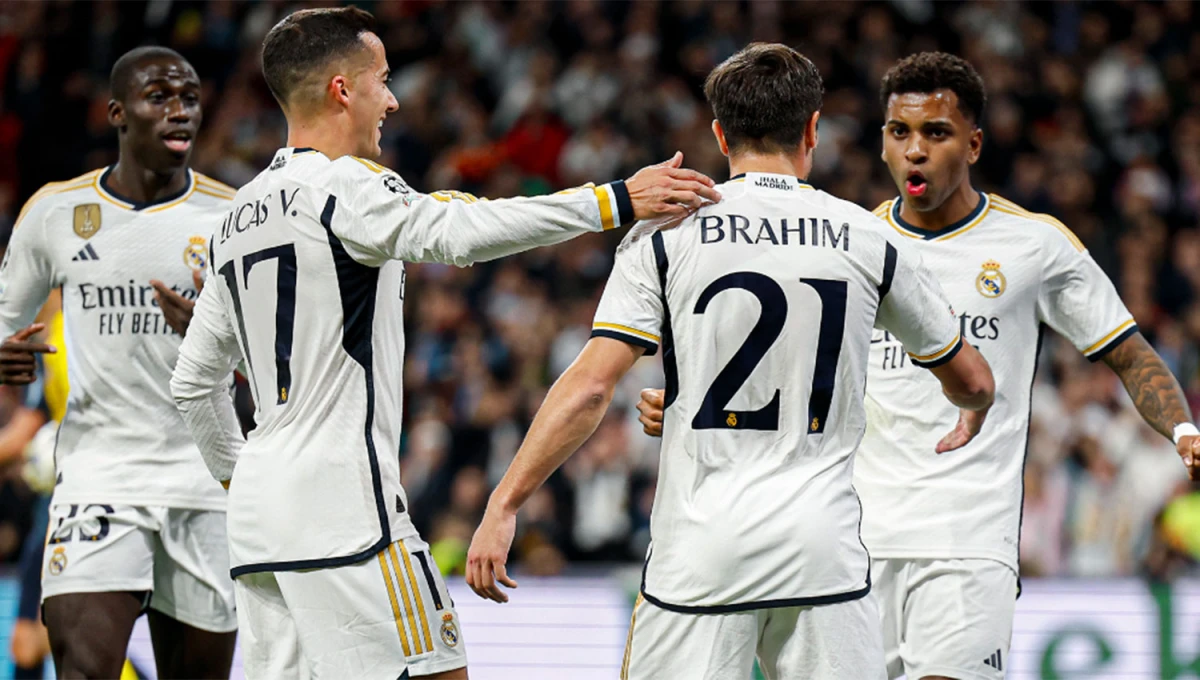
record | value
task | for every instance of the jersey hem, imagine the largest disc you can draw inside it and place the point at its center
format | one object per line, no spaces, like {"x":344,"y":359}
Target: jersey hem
{"x":927,"y":554}
{"x":834,"y":598}
{"x":319,"y":563}
{"x":210,"y":505}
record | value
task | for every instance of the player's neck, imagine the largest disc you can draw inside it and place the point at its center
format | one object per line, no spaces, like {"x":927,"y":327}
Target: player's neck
{"x":775,"y":164}
{"x":139,"y":184}
{"x":325,"y":136}
{"x":960,"y":204}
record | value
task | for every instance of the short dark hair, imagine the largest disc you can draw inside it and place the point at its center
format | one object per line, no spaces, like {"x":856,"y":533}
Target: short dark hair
{"x":764,"y":96}
{"x":926,"y":72}
{"x":122,"y":71}
{"x":306,"y":42}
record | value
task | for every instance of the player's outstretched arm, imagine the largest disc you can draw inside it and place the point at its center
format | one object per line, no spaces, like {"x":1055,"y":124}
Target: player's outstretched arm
{"x":968,"y":383}
{"x":454,"y":228}
{"x":570,"y":414}
{"x":1157,"y":396}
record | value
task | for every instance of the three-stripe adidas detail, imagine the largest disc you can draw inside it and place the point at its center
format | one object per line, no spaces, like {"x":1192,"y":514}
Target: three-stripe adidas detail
{"x":88,"y":253}
{"x":995,"y":660}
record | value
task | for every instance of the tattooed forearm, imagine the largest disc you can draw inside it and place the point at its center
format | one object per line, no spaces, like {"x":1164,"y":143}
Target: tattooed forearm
{"x":1155,"y":392}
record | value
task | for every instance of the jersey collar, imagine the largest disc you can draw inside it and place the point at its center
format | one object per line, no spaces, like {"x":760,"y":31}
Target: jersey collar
{"x":149,"y":206}
{"x":790,"y":178}
{"x":971,"y":220}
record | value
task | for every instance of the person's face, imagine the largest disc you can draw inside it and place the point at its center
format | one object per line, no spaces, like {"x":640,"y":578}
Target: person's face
{"x":371,"y":100}
{"x":160,"y":114}
{"x":929,"y":146}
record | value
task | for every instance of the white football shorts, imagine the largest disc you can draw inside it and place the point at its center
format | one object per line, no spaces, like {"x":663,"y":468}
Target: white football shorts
{"x":826,"y":642}
{"x":945,"y":617}
{"x":179,"y":556}
{"x":366,"y":620}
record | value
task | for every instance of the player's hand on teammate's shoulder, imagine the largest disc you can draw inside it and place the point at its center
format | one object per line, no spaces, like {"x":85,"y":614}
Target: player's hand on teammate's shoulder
{"x":650,"y":406}
{"x":1189,"y":450}
{"x":18,"y":366}
{"x":489,"y":553}
{"x":177,"y":310}
{"x":668,"y":190}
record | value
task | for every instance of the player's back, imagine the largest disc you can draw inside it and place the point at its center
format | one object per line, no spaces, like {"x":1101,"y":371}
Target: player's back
{"x":323,"y":340}
{"x":770,"y":300}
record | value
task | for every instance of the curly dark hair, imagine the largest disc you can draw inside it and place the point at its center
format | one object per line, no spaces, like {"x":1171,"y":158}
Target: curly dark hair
{"x":764,"y":97}
{"x":925,"y":72}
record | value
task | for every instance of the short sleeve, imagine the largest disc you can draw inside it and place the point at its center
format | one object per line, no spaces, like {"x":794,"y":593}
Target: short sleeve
{"x":26,"y":272}
{"x":631,"y":309}
{"x":913,"y":307}
{"x":1079,"y":301}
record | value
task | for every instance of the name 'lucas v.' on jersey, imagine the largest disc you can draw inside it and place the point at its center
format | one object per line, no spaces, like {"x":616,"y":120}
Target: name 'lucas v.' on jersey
{"x":764,"y":305}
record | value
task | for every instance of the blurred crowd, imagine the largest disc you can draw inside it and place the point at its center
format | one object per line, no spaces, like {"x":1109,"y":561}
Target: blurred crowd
{"x":1093,"y":116}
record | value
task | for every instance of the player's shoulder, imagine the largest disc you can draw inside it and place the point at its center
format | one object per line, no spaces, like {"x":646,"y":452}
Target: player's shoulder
{"x":1046,"y":228}
{"x":206,"y":187}
{"x":54,"y":194}
{"x":351,"y":168}
{"x":346,"y":176}
{"x":883,"y":209}
{"x":866,"y":221}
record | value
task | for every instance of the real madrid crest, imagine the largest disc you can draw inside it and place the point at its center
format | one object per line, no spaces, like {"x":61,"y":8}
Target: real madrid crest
{"x":990,"y":283}
{"x":87,"y":220}
{"x":195,"y":255}
{"x":58,"y":561}
{"x":449,"y":630}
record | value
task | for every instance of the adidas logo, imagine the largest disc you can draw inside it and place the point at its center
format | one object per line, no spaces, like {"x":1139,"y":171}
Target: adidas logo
{"x":88,"y":253}
{"x":995,"y":661}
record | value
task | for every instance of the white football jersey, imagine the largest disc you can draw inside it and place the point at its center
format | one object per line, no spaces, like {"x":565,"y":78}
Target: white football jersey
{"x":307,"y":285}
{"x":1007,"y":272}
{"x":121,"y":440}
{"x":764,"y":305}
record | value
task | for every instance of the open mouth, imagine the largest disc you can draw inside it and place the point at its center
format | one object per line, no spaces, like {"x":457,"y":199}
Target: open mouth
{"x":179,"y":141}
{"x":915,"y":185}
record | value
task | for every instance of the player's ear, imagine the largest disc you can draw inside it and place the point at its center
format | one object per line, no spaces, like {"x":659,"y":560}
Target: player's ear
{"x":811,"y":137}
{"x":975,"y":144}
{"x":116,"y":114}
{"x":719,"y":133}
{"x":339,"y":87}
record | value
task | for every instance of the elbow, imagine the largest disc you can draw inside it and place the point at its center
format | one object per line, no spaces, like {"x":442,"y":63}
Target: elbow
{"x":183,"y":391}
{"x":967,"y":380}
{"x":977,"y":394}
{"x":977,"y":391}
{"x":595,"y":394}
